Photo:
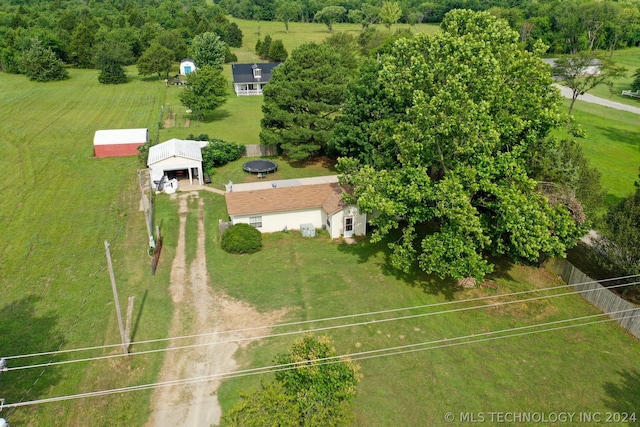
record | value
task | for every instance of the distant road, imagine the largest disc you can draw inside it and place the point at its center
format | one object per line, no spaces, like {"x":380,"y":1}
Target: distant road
{"x":566,"y":92}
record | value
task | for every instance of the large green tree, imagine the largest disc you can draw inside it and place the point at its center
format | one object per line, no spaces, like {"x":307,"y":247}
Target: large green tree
{"x":301,"y":100}
{"x":40,"y":64}
{"x":330,"y":15}
{"x":206,"y":90}
{"x":208,"y":49}
{"x":390,"y":12}
{"x":442,"y":139}
{"x":316,"y":390}
{"x":82,"y":46}
{"x":155,"y":60}
{"x":110,"y":59}
{"x":287,"y":11}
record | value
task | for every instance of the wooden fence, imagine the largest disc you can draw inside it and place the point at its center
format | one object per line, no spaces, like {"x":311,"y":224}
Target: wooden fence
{"x":624,"y":312}
{"x":260,"y":150}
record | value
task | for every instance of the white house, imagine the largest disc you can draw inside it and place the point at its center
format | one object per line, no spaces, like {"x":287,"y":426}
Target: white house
{"x":280,"y":208}
{"x":250,"y":79}
{"x":182,"y":157}
{"x":187,"y":66}
{"x":593,"y":68}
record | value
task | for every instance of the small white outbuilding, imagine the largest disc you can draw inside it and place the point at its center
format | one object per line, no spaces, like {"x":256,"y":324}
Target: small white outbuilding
{"x":187,"y":66}
{"x":176,"y":155}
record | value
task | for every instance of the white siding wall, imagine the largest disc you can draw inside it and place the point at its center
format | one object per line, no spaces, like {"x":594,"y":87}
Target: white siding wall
{"x":272,"y":222}
{"x":337,"y":222}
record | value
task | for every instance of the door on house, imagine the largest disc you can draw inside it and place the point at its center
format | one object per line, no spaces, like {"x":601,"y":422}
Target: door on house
{"x":187,"y":69}
{"x":348,"y":226}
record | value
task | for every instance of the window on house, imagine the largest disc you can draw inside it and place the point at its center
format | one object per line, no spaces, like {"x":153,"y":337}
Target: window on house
{"x":255,"y":221}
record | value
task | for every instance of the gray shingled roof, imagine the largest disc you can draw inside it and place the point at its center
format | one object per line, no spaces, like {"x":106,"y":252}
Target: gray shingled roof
{"x":243,"y":73}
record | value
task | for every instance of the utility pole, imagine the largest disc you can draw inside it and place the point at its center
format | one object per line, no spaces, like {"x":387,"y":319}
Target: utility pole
{"x":125,"y":340}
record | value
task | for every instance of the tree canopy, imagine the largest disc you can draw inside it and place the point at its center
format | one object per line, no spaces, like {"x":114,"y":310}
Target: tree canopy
{"x":440,"y":130}
{"x":301,"y":100}
{"x":155,"y":60}
{"x":39,"y":63}
{"x":206,"y":90}
{"x":620,"y":239}
{"x":316,"y":390}
{"x":208,"y":49}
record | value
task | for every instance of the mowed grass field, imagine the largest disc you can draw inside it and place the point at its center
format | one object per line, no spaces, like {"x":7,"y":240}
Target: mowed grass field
{"x":587,"y":368}
{"x":59,"y":205}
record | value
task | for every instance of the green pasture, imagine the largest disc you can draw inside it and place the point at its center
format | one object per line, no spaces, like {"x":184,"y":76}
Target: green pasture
{"x":612,"y":144}
{"x":630,"y":59}
{"x":300,"y":33}
{"x":59,"y":204}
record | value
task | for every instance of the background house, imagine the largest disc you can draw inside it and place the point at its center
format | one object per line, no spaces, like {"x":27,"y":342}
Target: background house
{"x":275,"y":209}
{"x":176,"y":158}
{"x":591,"y":69}
{"x":250,"y":79}
{"x":119,"y":142}
{"x":187,"y":66}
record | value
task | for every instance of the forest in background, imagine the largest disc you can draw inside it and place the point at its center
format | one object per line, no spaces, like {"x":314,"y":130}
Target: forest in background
{"x":77,"y":31}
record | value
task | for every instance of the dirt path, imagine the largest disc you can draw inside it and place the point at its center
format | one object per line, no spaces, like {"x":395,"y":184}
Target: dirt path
{"x":199,"y":310}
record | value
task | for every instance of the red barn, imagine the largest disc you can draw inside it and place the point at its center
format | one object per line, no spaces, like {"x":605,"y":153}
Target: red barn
{"x":119,"y":142}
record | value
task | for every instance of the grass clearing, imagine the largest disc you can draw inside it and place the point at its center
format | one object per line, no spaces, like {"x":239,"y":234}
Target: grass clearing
{"x":630,"y":59}
{"x":316,"y":278}
{"x":612,"y":144}
{"x":59,"y":204}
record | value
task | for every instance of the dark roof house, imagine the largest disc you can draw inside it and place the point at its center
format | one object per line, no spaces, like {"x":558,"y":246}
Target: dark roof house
{"x":250,"y":79}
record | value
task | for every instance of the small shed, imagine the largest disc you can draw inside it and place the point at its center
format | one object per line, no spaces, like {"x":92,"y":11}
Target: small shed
{"x":187,"y":66}
{"x":176,"y":155}
{"x":119,"y":142}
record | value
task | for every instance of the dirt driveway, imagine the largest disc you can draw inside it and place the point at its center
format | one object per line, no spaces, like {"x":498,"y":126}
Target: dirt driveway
{"x":198,"y":309}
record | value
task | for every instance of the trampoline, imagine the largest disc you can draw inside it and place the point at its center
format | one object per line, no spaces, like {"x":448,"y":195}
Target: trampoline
{"x":260,"y":166}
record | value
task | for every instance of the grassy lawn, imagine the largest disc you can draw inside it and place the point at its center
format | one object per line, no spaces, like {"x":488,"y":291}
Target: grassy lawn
{"x":59,"y":204}
{"x":580,"y":369}
{"x":612,"y":144}
{"x":300,"y":33}
{"x":630,"y":59}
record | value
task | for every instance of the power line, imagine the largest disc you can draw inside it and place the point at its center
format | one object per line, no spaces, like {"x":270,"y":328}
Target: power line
{"x":372,"y":313}
{"x":325,"y":328}
{"x":363,"y":355}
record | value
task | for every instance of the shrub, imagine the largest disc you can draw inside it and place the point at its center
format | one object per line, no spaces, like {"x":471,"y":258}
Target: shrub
{"x":241,"y":239}
{"x":635,"y":85}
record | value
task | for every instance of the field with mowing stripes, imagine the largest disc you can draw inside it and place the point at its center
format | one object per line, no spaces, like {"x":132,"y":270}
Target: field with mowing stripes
{"x":58,"y":204}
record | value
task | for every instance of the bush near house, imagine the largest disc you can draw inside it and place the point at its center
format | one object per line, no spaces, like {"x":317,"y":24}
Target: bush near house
{"x":241,"y":239}
{"x":218,"y":152}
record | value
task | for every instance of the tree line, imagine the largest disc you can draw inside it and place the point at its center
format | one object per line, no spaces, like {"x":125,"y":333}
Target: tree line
{"x":106,"y":35}
{"x":453,"y":140}
{"x":564,"y":26}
